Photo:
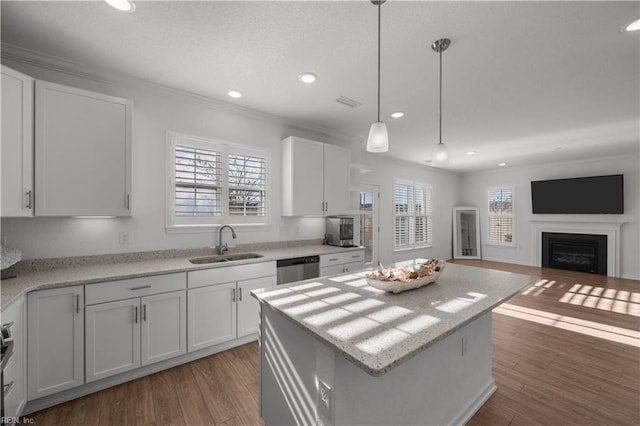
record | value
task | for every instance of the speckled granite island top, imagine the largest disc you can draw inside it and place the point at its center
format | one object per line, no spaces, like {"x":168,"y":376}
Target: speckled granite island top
{"x":135,"y":265}
{"x":377,"y":330}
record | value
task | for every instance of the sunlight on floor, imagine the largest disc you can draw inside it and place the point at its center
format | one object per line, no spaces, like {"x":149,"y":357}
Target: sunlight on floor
{"x":606,"y":299}
{"x":589,"y":328}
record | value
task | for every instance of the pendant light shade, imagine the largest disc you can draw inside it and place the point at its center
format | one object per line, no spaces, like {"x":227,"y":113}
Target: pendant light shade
{"x":440,"y":155}
{"x":378,"y":140}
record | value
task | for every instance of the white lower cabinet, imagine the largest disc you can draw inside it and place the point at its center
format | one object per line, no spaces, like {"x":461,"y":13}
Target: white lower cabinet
{"x":221,"y":307}
{"x":55,"y":340}
{"x":122,"y":335}
{"x":332,"y":264}
{"x":15,"y":372}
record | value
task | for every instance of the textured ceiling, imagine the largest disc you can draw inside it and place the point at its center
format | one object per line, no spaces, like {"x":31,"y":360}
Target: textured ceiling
{"x":524,"y":82}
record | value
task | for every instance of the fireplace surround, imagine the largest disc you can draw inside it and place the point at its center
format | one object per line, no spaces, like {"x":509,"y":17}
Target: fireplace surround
{"x":580,"y":225}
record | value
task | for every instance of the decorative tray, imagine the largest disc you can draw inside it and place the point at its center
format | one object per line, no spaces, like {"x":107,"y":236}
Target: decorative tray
{"x":407,"y":276}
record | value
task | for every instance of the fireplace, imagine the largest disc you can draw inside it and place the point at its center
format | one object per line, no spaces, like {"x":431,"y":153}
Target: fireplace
{"x":575,"y":252}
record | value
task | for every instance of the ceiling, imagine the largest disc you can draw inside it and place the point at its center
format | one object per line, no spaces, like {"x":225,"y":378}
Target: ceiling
{"x":523,"y":82}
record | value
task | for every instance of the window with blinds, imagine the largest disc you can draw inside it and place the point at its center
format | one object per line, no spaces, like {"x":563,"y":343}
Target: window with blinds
{"x":412,"y":215}
{"x":500,"y":215}
{"x":213,"y":182}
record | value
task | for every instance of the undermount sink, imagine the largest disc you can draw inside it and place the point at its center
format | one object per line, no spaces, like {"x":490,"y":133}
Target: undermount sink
{"x":224,"y":258}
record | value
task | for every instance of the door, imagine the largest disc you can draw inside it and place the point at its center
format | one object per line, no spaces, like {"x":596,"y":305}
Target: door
{"x":112,"y":338}
{"x":17,"y":144}
{"x":369,"y":230}
{"x":164,"y":326}
{"x":336,"y":180}
{"x":248,"y":306}
{"x":212,"y":315}
{"x":55,"y":340}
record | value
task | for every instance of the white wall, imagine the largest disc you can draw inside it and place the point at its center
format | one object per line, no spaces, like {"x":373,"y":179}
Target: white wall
{"x":157,"y":110}
{"x":474,"y":188}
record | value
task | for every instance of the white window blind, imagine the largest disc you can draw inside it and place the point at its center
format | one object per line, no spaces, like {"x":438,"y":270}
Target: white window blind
{"x":213,"y":182}
{"x":501,"y":215}
{"x":412,"y":214}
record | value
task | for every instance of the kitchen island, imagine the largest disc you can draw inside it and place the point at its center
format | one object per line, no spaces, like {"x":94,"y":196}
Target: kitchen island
{"x":337,"y":351}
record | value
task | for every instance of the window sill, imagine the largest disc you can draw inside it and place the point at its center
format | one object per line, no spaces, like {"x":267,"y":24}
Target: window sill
{"x":496,"y":244}
{"x":401,"y":249}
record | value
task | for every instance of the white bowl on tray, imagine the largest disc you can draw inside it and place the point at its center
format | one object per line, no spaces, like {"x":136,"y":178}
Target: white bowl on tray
{"x":396,"y":286}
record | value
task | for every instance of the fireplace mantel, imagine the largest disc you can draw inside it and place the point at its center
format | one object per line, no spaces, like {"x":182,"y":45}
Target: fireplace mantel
{"x":585,"y":226}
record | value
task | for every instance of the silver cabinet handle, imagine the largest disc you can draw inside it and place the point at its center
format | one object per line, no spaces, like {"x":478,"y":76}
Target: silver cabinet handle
{"x":326,"y":206}
{"x":240,"y":294}
{"x":233,"y":294}
{"x":140,"y":287}
{"x":77,"y":303}
{"x":322,"y":206}
{"x":7,"y":388}
{"x":29,"y":201}
{"x":135,"y":314}
{"x":357,"y":256}
{"x":128,"y":202}
{"x":144,"y":313}
{"x":333,"y":260}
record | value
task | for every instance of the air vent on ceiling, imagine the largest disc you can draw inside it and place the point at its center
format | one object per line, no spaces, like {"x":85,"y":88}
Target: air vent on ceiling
{"x":348,"y":102}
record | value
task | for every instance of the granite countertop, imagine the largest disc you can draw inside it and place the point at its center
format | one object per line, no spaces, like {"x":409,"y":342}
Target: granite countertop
{"x":77,"y":273}
{"x":377,"y":330}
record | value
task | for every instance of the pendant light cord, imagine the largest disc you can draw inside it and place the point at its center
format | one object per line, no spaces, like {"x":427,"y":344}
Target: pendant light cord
{"x":379,"y":25}
{"x":441,"y":96}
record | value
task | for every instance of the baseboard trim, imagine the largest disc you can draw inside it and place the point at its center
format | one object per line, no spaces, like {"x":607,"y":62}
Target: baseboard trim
{"x":465,"y":415}
{"x":107,"y":382}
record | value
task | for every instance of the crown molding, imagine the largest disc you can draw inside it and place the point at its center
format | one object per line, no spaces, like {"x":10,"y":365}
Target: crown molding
{"x":54,"y":63}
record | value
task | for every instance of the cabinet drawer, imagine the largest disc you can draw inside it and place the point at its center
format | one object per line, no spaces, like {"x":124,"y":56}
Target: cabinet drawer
{"x":230,"y":274}
{"x":339,"y":258}
{"x":135,"y":287}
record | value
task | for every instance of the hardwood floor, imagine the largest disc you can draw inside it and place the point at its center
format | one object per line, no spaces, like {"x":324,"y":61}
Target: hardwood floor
{"x":566,"y":352}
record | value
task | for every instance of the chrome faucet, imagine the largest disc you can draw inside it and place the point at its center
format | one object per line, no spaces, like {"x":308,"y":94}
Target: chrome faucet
{"x":223,"y":248}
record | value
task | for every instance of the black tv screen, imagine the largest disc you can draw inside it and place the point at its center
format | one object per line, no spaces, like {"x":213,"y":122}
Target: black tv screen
{"x":585,"y":195}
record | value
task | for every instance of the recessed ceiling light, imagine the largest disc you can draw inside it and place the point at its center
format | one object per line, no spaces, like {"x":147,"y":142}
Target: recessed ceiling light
{"x":471,"y":153}
{"x":234,"y":93}
{"x":398,"y":114}
{"x":122,"y":5}
{"x":634,"y":26}
{"x":502,"y":164}
{"x":307,"y":77}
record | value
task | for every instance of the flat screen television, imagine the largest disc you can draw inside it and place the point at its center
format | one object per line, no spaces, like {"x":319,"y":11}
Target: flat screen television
{"x":585,"y":195}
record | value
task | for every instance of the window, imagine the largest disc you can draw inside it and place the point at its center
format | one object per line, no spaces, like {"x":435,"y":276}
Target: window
{"x":214,"y":182}
{"x":501,"y":215}
{"x":412,"y":215}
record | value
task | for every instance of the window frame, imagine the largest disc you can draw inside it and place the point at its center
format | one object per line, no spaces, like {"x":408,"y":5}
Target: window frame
{"x":488,"y":241}
{"x":412,"y":245}
{"x":175,"y":223}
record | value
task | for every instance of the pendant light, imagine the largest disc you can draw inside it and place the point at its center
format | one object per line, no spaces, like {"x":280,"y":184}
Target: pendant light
{"x":378,"y":140}
{"x":440,"y":155}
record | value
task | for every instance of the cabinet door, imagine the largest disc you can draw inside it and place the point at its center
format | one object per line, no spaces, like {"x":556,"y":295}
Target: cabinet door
{"x":337,"y":178}
{"x":83,"y":152}
{"x":212,"y":315}
{"x":331,"y":270}
{"x":55,"y":340}
{"x":113,"y":338}
{"x":248,"y":306}
{"x":164,"y":326}
{"x":17,"y":144}
{"x":15,"y":372}
{"x":353,"y":266}
{"x":302,"y":177}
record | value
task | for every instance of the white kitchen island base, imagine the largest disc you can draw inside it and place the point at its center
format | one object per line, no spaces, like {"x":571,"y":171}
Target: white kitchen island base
{"x":443,"y":385}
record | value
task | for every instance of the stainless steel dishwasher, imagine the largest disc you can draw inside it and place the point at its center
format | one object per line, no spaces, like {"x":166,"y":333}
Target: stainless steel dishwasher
{"x":297,"y":269}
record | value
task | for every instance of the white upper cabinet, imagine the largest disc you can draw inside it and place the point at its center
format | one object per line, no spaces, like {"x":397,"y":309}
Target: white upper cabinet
{"x":17,"y":144}
{"x":315,"y":178}
{"x":82,"y":152}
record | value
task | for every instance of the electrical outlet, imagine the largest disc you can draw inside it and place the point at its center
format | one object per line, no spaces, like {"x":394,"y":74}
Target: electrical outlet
{"x":325,"y":399}
{"x":123,"y":237}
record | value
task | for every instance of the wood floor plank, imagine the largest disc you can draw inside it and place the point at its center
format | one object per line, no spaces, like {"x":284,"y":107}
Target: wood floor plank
{"x":545,"y":375}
